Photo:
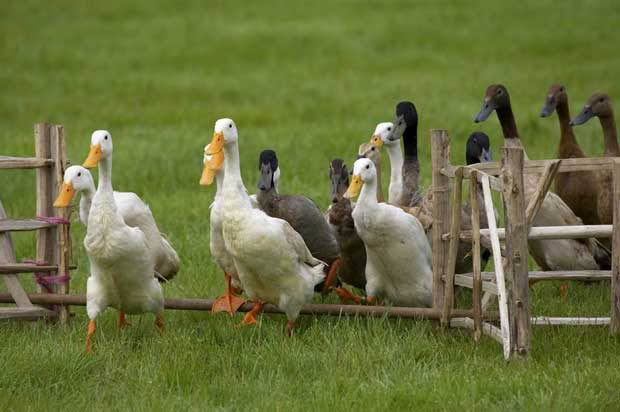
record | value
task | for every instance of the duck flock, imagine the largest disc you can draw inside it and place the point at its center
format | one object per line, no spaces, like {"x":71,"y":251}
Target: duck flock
{"x":280,"y":249}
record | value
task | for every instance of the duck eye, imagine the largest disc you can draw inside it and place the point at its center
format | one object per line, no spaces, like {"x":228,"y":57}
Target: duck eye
{"x":561,"y":89}
{"x":499,"y":91}
{"x":373,"y":149}
{"x":367,"y":166}
{"x":79,"y":174}
{"x":389,"y":129}
{"x":230,"y":125}
{"x":601,"y":100}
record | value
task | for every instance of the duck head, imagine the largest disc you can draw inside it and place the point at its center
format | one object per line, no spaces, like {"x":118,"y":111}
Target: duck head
{"x":384,"y":134}
{"x":363,"y":172}
{"x":496,"y":97}
{"x":556,"y":95}
{"x":224,"y":133}
{"x":406,"y":117}
{"x":100,"y":148}
{"x":212,"y":164}
{"x":76,"y":179}
{"x":478,"y":148}
{"x":369,"y":151}
{"x":599,"y":104}
{"x":269,"y":170}
{"x":339,"y":177}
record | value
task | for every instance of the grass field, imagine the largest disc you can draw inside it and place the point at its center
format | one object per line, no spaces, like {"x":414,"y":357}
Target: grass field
{"x":310,"y":81}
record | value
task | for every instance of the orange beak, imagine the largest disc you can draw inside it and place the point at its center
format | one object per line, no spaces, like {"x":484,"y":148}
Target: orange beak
{"x":376,"y":140}
{"x":354,"y":187}
{"x":65,"y":196}
{"x":217,"y":143}
{"x":212,"y":165}
{"x":93,"y":156}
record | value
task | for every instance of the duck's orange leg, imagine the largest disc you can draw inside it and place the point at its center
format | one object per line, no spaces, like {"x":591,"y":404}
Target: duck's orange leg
{"x":250,"y":317}
{"x":230,"y":302}
{"x":289,"y":328}
{"x":122,"y":321}
{"x":346,"y":296}
{"x":92,"y":327}
{"x":159,"y":322}
{"x":331,"y":276}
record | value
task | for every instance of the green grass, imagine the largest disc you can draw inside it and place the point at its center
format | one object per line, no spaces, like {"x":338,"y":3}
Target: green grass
{"x":310,"y":81}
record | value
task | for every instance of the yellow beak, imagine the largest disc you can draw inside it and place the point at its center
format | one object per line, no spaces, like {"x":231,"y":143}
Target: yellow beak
{"x":354,"y":187}
{"x":376,"y":140}
{"x":93,"y":156}
{"x":65,"y":196}
{"x":211,"y":167}
{"x":217,"y":143}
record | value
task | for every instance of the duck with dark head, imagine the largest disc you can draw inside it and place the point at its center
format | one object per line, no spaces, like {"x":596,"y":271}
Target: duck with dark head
{"x":301,"y":213}
{"x":558,"y":254}
{"x":599,"y":105}
{"x":352,"y":250}
{"x":580,"y":190}
{"x":407,"y":113}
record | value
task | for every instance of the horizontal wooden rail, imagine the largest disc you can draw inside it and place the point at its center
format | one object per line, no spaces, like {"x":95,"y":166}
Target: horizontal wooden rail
{"x":32,"y":312}
{"x":319,"y":309}
{"x":552,"y":275}
{"x":6,"y":268}
{"x":468,"y":282}
{"x":538,"y":166}
{"x":549,"y":232}
{"x":22,"y":225}
{"x":557,"y":321}
{"x":10,"y":162}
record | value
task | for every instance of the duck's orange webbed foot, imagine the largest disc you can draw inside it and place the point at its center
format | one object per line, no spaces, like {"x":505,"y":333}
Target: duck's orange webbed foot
{"x":159,"y":322}
{"x":346,"y":296}
{"x":250,"y":317}
{"x":122,"y":321}
{"x":331,"y":276}
{"x":289,"y":328}
{"x":92,"y":327}
{"x":230,"y":302}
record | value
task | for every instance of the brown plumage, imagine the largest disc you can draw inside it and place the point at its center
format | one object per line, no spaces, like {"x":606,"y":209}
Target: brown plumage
{"x":579,"y":190}
{"x":352,"y":250}
{"x":599,"y":105}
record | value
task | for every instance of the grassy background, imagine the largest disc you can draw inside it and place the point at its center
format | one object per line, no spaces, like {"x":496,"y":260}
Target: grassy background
{"x":310,"y":81}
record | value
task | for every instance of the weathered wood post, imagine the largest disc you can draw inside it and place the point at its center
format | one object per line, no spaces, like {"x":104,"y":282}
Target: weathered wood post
{"x":440,"y":152}
{"x":46,"y":184}
{"x":455,"y":232}
{"x":516,"y":250}
{"x":477,"y":277}
{"x":614,"y":325}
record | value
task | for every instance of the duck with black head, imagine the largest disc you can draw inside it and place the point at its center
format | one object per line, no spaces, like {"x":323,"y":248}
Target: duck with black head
{"x":352,"y":250}
{"x":560,"y":254}
{"x":599,"y":105}
{"x":302,"y":214}
{"x":580,"y":190}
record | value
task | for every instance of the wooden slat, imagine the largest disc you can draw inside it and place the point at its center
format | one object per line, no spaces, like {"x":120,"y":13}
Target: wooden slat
{"x":28,"y":268}
{"x":557,"y":321}
{"x":7,"y":256}
{"x":538,"y":166}
{"x":552,"y":232}
{"x":440,"y":152}
{"x":468,"y":282}
{"x":475,"y":250}
{"x":614,"y":327}
{"x":21,"y":225}
{"x":10,"y":162}
{"x":499,"y":269}
{"x":544,"y":183}
{"x":32,"y":312}
{"x":453,"y":249}
{"x":554,"y":275}
{"x":487,"y":329}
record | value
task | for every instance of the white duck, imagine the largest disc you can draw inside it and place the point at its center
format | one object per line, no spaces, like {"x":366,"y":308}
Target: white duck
{"x":384,"y":136}
{"x":121,"y":262}
{"x":272,"y":261}
{"x":230,"y":301}
{"x":398,"y":264}
{"x":132,"y":209}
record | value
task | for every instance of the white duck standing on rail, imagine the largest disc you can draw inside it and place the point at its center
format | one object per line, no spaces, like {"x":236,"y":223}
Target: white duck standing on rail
{"x":133,"y":210}
{"x":272,"y":261}
{"x":230,"y":301}
{"x":398,"y":256}
{"x":122,"y":263}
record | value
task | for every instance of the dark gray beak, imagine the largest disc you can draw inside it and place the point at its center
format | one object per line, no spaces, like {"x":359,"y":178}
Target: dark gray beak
{"x":485,"y":156}
{"x":585,"y":115}
{"x":399,"y":128}
{"x":547,"y":110}
{"x":485,"y":111}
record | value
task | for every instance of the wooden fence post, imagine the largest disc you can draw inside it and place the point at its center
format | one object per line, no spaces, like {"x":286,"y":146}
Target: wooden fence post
{"x":440,"y":146}
{"x":46,"y":184}
{"x":453,"y":248}
{"x":614,"y":325}
{"x":475,"y":247}
{"x":513,"y":194}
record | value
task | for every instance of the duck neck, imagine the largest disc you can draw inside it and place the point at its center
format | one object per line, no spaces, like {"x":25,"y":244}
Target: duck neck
{"x":396,"y":163}
{"x":267,"y":199}
{"x":379,"y":187}
{"x":219,"y":182}
{"x":507,"y":120}
{"x":367,"y":196}
{"x":410,"y":141}
{"x":567,"y":136}
{"x":105,"y":178}
{"x":85,"y":202}
{"x":608,"y":123}
{"x":232,"y":173}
